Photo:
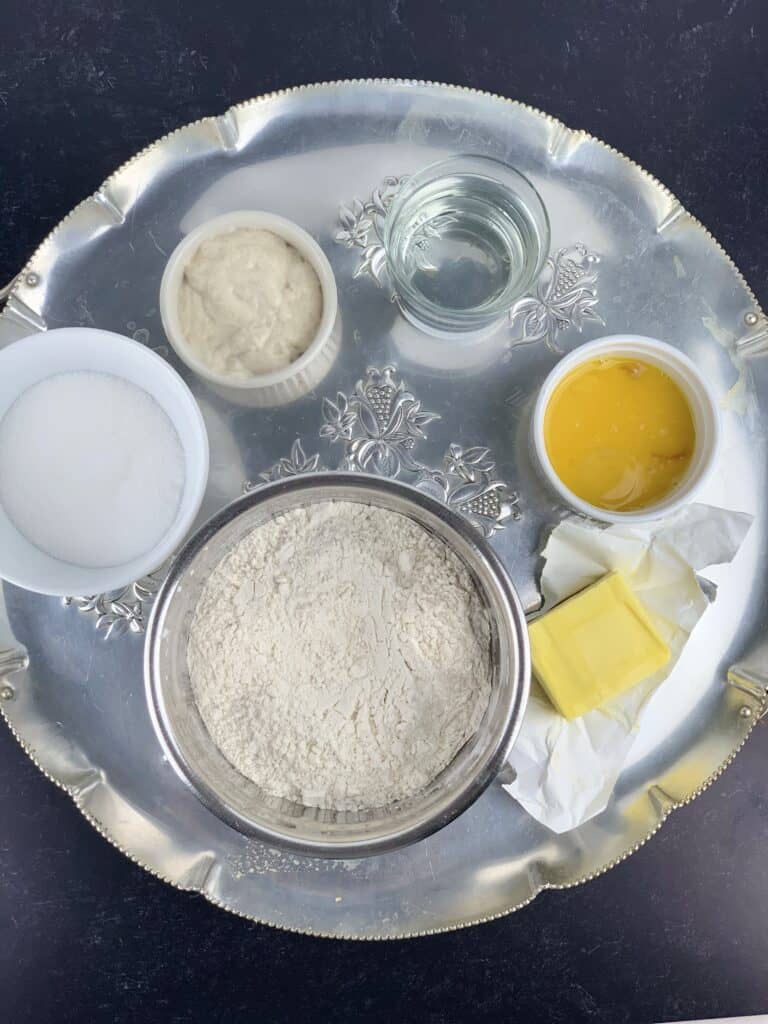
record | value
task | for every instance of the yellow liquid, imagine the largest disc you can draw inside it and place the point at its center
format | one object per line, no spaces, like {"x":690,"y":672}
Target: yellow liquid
{"x":619,"y":433}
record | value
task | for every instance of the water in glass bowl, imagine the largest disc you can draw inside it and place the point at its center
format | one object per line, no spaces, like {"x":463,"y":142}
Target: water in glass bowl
{"x":462,"y":247}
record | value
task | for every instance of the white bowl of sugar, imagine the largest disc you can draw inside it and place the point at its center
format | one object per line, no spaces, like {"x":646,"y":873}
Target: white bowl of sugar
{"x":103,"y":461}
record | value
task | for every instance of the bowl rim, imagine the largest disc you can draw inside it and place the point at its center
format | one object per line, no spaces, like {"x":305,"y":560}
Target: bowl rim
{"x":110,"y":578}
{"x":679,"y":366}
{"x":290,"y":232}
{"x":513,"y":622}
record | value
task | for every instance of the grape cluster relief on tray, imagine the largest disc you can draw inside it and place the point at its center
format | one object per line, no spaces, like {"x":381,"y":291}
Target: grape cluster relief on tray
{"x":378,"y":427}
{"x":565,"y":295}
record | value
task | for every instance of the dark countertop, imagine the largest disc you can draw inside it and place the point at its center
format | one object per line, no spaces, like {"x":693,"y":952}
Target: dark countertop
{"x":679,"y":929}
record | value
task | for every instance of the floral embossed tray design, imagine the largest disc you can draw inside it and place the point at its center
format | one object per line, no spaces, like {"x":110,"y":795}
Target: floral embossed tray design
{"x":451,"y":420}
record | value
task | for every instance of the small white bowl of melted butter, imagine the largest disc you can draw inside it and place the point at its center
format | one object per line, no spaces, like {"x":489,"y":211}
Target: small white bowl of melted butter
{"x":248,"y":301}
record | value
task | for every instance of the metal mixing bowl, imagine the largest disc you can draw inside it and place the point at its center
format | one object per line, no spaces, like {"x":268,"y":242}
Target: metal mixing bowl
{"x":310,"y":830}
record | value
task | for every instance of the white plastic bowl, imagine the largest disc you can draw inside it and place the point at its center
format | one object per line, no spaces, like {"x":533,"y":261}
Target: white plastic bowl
{"x":683,"y":371}
{"x":25,"y":363}
{"x":280,"y":384}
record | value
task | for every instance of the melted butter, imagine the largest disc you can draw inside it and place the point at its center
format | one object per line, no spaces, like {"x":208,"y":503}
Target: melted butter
{"x":619,"y":433}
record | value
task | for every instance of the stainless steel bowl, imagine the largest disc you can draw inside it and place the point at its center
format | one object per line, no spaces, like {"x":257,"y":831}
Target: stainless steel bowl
{"x":309,"y":830}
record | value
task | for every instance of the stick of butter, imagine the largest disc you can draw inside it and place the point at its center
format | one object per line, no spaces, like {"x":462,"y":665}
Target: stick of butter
{"x":594,"y":646}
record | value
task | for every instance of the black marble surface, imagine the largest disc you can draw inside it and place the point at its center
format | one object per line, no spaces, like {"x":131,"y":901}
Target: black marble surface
{"x":677,"y":931}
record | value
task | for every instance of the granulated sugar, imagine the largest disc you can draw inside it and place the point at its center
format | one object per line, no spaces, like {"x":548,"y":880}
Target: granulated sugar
{"x":340,"y":656}
{"x":91,"y":468}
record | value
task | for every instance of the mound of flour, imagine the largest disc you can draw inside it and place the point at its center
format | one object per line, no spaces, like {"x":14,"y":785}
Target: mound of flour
{"x":340,"y":656}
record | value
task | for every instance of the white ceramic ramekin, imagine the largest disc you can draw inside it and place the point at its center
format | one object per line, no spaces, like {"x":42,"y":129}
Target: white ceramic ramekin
{"x":279,"y":385}
{"x":703,"y":406}
{"x":30,"y":360}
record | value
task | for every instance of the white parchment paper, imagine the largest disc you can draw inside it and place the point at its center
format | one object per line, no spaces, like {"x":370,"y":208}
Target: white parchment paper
{"x":566,"y":771}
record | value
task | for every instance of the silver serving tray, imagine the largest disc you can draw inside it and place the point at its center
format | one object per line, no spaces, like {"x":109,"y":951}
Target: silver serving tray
{"x":625,"y":253}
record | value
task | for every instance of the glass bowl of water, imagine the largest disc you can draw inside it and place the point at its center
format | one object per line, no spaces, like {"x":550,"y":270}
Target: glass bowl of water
{"x":464,"y":239}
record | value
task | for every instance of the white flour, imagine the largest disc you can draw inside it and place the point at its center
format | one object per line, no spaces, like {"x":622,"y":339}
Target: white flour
{"x":339,"y":656}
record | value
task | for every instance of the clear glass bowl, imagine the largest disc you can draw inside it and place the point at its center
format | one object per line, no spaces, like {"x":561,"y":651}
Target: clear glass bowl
{"x":464,"y":239}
